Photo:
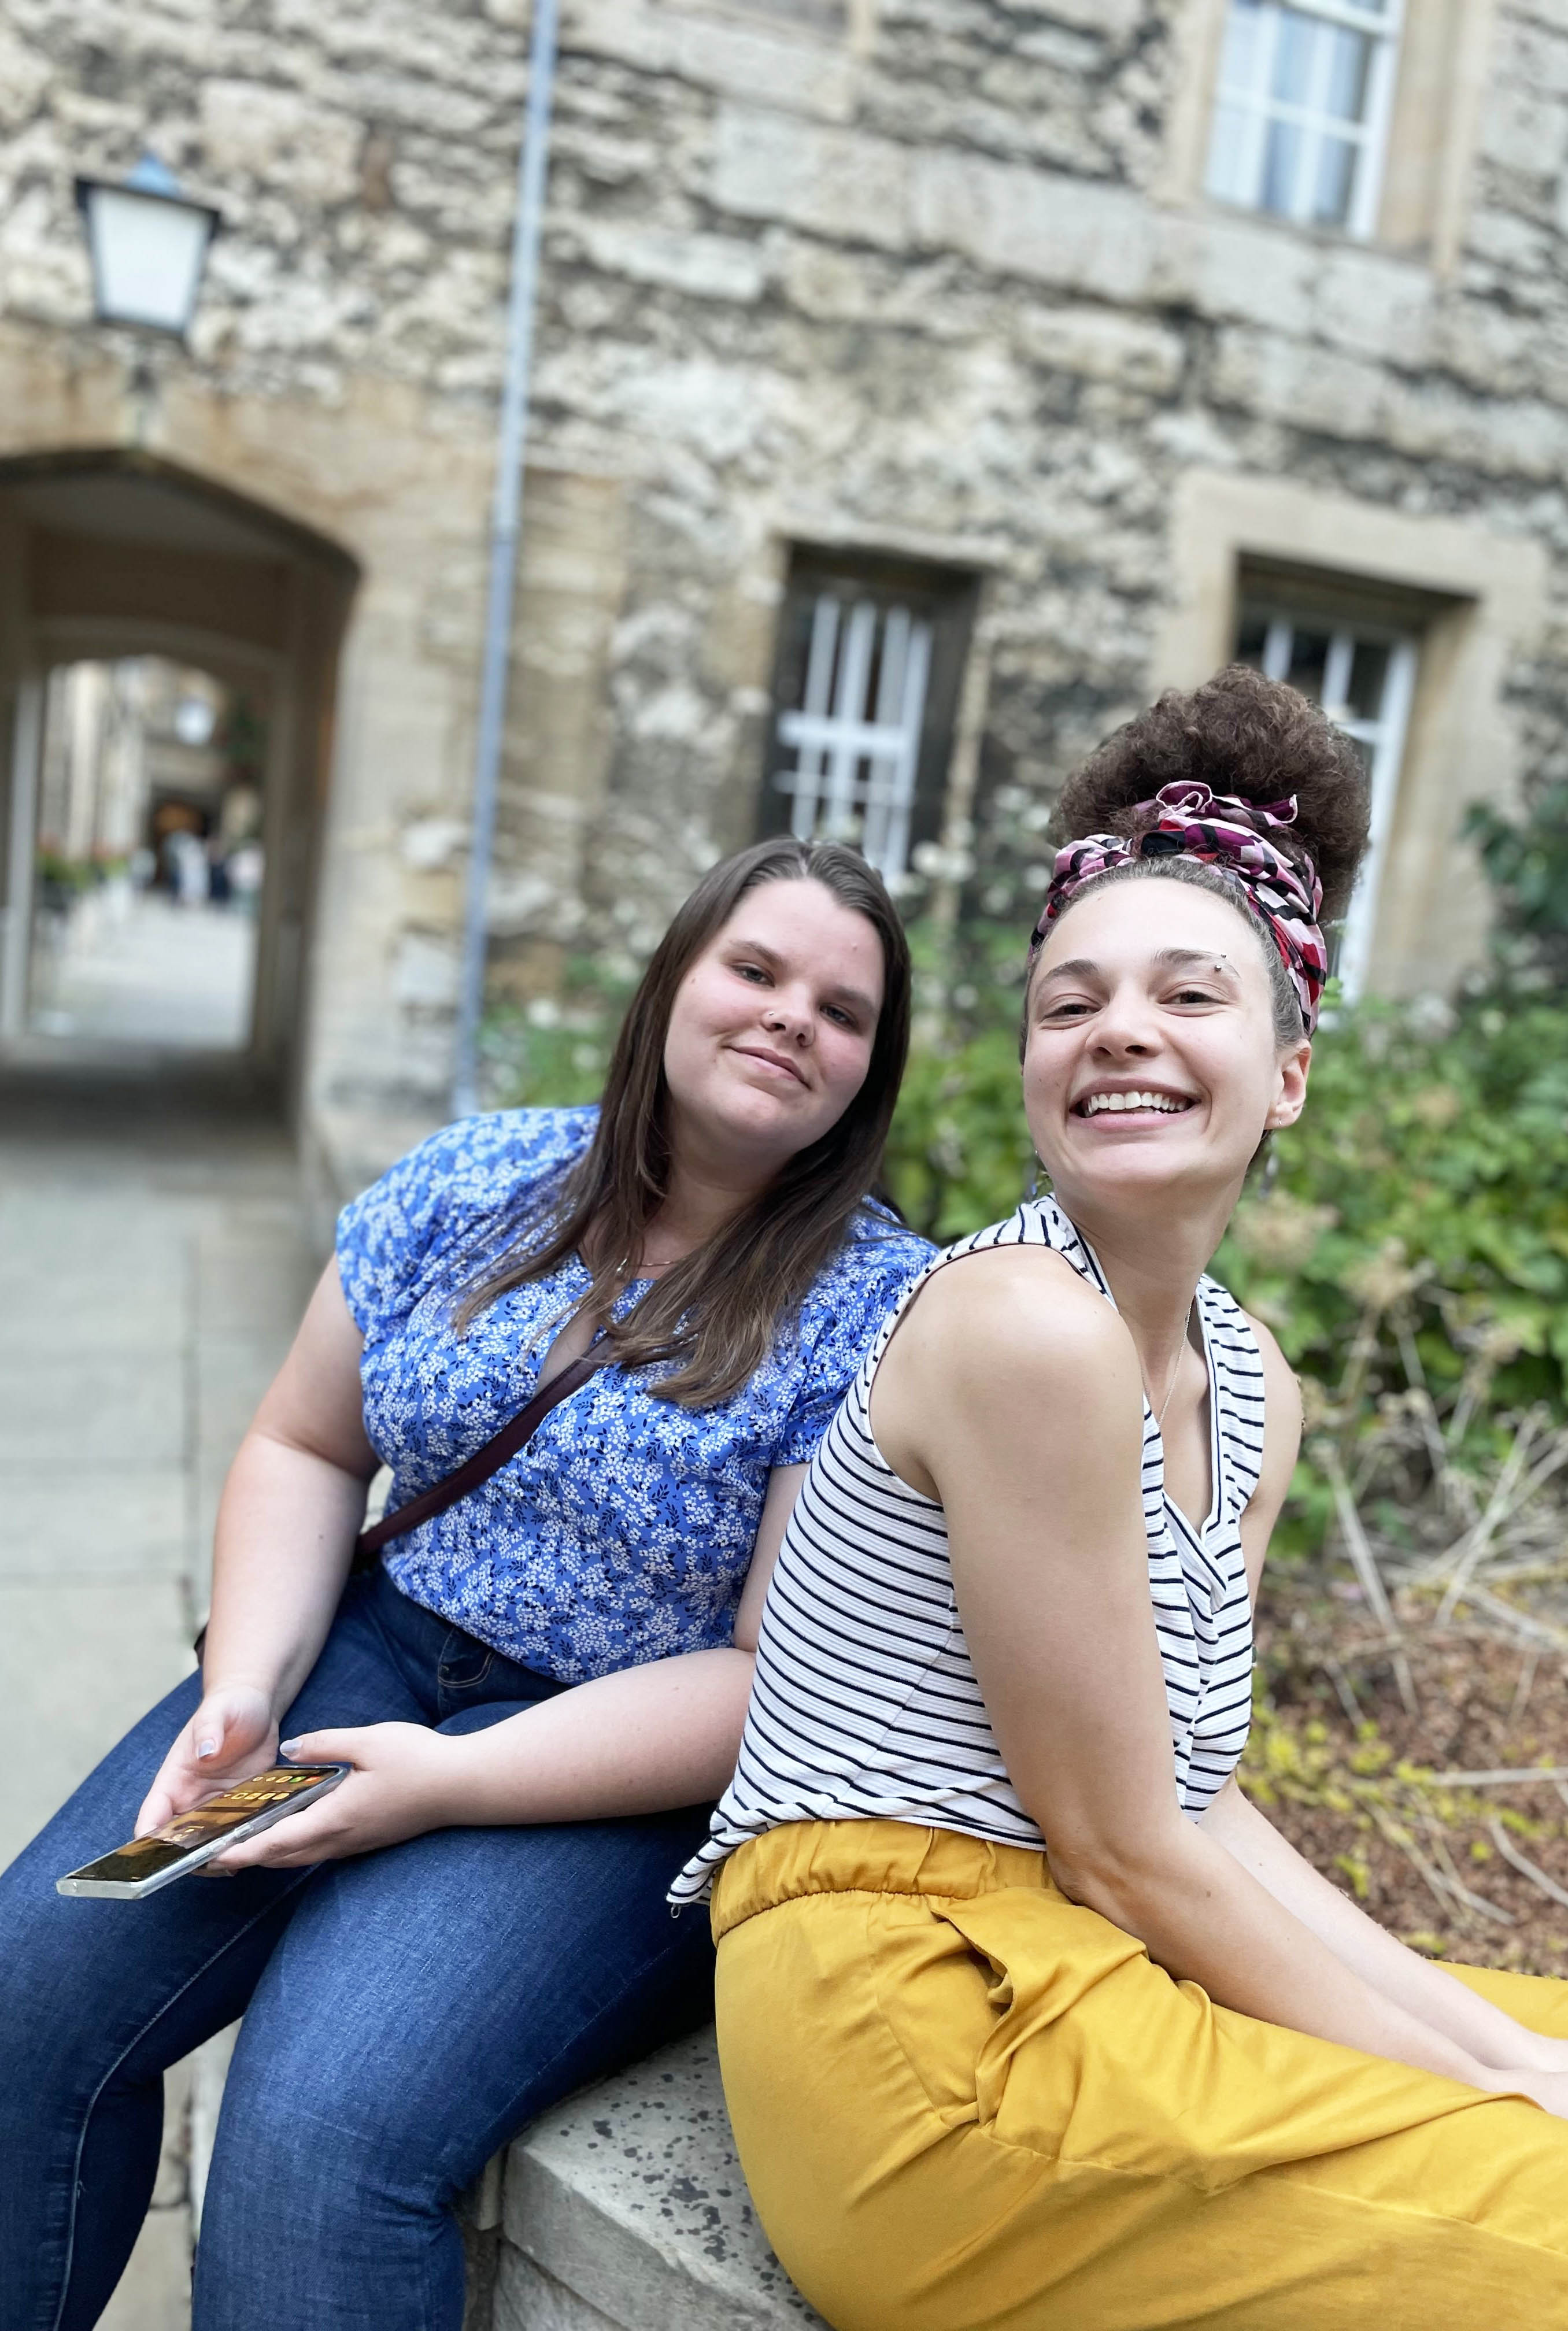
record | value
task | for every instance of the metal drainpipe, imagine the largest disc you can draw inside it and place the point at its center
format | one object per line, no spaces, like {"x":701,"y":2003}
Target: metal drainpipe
{"x":505,"y":519}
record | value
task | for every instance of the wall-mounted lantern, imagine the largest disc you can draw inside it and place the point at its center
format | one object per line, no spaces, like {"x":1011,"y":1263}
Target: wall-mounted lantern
{"x":149,"y":245}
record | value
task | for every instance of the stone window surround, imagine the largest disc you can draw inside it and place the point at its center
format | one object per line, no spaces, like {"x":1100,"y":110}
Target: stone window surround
{"x":1256,"y":104}
{"x":948,"y":593}
{"x":1277,"y":603}
{"x":1444,"y":56}
{"x":1478,"y":598}
{"x":745,"y":651}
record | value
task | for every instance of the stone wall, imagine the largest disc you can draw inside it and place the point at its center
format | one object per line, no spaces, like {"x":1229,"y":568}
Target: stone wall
{"x":924,"y":274}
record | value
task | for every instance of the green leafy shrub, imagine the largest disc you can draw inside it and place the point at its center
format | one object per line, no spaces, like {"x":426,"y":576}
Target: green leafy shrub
{"x":554,"y":1053}
{"x":1425,"y":1191}
{"x":1526,"y":860}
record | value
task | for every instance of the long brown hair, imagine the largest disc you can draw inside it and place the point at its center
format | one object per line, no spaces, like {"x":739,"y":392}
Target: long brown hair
{"x":716,"y":1312}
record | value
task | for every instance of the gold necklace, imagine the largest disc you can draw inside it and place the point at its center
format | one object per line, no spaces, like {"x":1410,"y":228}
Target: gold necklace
{"x":1175,"y":1372}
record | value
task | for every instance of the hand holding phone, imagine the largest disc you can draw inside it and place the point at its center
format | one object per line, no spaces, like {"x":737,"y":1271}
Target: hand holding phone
{"x":232,"y":1734}
{"x":190,"y":1839}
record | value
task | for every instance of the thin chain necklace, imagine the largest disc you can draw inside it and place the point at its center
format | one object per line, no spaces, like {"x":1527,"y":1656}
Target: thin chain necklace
{"x":1175,"y":1372}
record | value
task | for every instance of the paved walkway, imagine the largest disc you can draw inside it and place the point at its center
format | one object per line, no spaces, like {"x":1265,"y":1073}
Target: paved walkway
{"x":153,"y":1264}
{"x":138,"y":969}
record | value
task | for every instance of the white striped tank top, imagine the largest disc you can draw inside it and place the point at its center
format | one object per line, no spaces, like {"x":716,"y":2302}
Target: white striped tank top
{"x":865,"y":1706}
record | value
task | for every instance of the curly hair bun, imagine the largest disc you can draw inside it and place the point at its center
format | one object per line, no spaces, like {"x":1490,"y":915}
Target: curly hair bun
{"x":1237,"y":733}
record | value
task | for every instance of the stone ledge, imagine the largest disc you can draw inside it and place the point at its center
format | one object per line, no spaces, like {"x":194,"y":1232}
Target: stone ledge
{"x":625,"y":2210}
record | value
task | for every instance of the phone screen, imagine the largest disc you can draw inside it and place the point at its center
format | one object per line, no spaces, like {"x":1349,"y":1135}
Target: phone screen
{"x":230,"y":1809}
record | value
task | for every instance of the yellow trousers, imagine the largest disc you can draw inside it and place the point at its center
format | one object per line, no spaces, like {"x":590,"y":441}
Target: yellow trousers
{"x":962,"y":2102}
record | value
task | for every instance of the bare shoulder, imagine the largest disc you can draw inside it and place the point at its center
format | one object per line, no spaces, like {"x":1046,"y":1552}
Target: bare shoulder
{"x":1009,"y":1318}
{"x":1004,"y":1359}
{"x":1018,"y":1307}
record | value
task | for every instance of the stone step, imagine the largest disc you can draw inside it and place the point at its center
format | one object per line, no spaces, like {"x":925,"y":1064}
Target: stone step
{"x":624,"y":2210}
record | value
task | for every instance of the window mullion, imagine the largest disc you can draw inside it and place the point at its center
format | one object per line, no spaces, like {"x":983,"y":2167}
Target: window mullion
{"x":1257,"y":109}
{"x":806,"y":783}
{"x":881,"y":767}
{"x":1315,"y":106}
{"x":850,"y":711}
{"x":1370,"y":162}
{"x":1382,"y":777}
{"x":1337,"y":667}
{"x":1257,"y":121}
{"x":905,"y":769}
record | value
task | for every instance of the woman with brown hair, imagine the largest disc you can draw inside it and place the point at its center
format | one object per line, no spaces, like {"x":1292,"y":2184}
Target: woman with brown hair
{"x":1078,"y":2042}
{"x":539,"y":1689}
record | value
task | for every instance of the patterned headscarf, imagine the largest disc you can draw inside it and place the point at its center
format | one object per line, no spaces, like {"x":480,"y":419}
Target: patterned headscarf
{"x":1219,"y":830}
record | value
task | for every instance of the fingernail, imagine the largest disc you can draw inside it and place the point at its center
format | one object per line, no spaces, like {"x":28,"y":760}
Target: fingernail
{"x":287,"y":1747}
{"x":206,"y":1747}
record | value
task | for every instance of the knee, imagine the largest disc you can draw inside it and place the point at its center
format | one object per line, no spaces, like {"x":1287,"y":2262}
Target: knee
{"x":64,"y":1982}
{"x":316,"y":2123}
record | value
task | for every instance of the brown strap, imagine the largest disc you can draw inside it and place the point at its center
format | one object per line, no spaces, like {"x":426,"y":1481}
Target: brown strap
{"x":514,"y":1435}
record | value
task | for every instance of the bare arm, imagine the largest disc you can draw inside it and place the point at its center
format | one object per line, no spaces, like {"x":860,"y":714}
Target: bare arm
{"x":1410,"y":1982}
{"x":291,"y":1509}
{"x":1402,"y":1976}
{"x":1015,"y":1390}
{"x":642,"y":1740}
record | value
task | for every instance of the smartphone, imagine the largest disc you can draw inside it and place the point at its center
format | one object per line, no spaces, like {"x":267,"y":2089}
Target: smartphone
{"x":183,"y":1844}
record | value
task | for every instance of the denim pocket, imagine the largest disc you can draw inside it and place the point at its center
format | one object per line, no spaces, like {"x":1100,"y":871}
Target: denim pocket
{"x":464,"y":1664}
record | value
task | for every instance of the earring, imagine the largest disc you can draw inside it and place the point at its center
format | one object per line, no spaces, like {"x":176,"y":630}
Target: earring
{"x":1037,"y":1173}
{"x":1270,"y":1174}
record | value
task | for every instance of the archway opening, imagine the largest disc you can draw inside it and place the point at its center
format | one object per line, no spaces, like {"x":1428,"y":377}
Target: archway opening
{"x":168,"y":653}
{"x":148,"y":857}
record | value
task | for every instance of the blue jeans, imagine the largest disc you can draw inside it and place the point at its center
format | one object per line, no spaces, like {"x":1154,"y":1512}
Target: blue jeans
{"x":405,"y":2013}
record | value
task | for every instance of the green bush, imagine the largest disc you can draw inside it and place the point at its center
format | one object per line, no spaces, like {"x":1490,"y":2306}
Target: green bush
{"x":1527,"y":861}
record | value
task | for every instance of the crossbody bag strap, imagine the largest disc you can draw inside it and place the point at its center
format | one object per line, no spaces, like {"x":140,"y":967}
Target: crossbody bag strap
{"x":501,"y":1446}
{"x":515,"y":1435}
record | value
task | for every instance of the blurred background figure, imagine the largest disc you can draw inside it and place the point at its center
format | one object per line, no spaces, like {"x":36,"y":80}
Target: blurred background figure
{"x":148,"y":804}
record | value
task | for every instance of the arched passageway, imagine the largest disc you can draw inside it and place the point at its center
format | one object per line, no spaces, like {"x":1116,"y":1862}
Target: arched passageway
{"x":110,"y":556}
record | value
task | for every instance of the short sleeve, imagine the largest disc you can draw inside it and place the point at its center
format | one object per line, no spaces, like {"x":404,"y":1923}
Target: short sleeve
{"x":839,"y":1323}
{"x":395,"y":1236}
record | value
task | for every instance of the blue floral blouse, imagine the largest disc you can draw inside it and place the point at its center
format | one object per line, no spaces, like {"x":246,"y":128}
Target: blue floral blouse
{"x":624,"y":1531}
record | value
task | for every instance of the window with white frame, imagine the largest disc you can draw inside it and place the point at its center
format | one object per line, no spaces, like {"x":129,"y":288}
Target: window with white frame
{"x":1302,"y":108}
{"x":866,"y":685}
{"x":1363,"y":676}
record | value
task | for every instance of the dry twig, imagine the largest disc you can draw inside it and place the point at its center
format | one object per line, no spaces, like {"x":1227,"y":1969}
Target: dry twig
{"x":1447,"y":1889}
{"x":1370,"y":1577}
{"x":1524,"y":1622}
{"x":1525,"y":1867}
{"x":1345,"y":1690}
{"x":1474,"y":1546}
{"x":1526,"y":1683}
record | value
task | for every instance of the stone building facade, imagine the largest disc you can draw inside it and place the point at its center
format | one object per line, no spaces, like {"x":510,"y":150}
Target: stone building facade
{"x":1079,"y":341}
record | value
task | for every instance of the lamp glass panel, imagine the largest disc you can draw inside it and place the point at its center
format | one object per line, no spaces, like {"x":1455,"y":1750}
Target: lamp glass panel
{"x":147,"y":257}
